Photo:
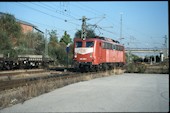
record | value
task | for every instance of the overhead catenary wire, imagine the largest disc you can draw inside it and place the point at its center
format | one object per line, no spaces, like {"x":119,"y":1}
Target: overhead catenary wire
{"x":50,"y":14}
{"x":47,"y":13}
{"x":89,"y":9}
{"x":125,"y":26}
{"x":94,"y":13}
{"x":55,"y":10}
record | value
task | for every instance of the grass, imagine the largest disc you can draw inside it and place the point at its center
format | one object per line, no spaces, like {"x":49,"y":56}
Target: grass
{"x":21,"y":94}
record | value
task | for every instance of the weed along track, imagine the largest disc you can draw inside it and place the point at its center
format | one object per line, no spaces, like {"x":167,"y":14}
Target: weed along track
{"x":19,"y":90}
{"x":9,"y":84}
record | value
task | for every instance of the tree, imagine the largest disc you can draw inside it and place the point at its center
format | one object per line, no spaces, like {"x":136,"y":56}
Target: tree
{"x":53,"y":36}
{"x":10,"y":26}
{"x":135,"y":58}
{"x":66,"y":38}
{"x":10,"y":32}
{"x":31,"y":43}
{"x":62,"y":56}
{"x":78,"y":34}
{"x":90,"y":33}
{"x":53,"y":45}
{"x":4,"y":41}
{"x":53,"y":39}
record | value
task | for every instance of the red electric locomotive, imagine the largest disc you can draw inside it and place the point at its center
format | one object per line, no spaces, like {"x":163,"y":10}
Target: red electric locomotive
{"x":98,"y":53}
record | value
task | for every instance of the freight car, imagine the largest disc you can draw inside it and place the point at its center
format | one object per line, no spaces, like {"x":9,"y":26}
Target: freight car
{"x":98,"y":53}
{"x":24,"y":62}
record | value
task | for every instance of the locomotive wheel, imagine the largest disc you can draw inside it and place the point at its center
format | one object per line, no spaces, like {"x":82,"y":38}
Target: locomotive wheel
{"x":86,"y":68}
{"x":105,"y":67}
{"x":97,"y":68}
{"x":82,"y":70}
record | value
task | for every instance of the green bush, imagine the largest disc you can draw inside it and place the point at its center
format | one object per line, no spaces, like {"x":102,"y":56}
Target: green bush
{"x":141,"y":68}
{"x":135,"y":68}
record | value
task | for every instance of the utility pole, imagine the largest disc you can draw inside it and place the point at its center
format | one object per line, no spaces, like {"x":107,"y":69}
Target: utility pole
{"x":121,"y":26}
{"x":166,"y":47}
{"x":67,"y":50}
{"x":84,"y":32}
{"x":46,"y":44}
{"x":84,"y":26}
{"x":129,"y":55}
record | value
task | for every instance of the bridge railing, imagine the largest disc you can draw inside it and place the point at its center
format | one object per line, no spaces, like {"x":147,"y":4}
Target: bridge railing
{"x":145,"y":49}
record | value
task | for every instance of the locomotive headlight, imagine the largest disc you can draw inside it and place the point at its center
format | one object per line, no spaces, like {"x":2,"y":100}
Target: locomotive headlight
{"x":75,"y":55}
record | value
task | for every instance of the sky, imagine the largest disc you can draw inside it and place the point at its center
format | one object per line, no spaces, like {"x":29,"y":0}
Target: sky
{"x":144,"y":23}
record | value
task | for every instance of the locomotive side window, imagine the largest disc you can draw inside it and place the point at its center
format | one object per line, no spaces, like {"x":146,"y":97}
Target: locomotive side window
{"x":116,"y":48}
{"x":104,"y":45}
{"x":78,"y":44}
{"x":113,"y":46}
{"x":109,"y":46}
{"x":119,"y":48}
{"x":89,"y":44}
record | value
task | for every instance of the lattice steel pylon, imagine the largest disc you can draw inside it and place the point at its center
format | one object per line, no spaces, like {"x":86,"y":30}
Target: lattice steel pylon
{"x":84,"y":28}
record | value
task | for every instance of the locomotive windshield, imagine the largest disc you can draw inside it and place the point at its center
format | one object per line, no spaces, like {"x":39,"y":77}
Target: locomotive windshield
{"x":89,"y":44}
{"x":78,"y":44}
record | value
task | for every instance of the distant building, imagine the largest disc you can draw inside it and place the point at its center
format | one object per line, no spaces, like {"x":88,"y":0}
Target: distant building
{"x":26,"y":26}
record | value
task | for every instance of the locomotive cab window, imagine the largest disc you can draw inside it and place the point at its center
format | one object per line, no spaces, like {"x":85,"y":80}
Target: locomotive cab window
{"x":78,"y":44}
{"x":89,"y":44}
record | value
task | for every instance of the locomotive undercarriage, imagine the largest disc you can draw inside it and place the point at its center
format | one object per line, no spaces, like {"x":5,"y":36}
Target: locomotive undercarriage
{"x":88,"y":67}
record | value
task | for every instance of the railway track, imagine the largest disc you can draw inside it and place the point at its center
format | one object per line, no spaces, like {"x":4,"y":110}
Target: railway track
{"x":9,"y":84}
{"x":17,"y":72}
{"x":14,"y":83}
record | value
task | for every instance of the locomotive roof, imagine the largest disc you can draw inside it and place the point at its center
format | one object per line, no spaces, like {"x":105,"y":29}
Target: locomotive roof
{"x":106,"y":39}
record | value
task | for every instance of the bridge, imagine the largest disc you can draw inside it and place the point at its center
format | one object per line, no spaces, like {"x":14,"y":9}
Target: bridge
{"x":145,"y":50}
{"x":162,"y":51}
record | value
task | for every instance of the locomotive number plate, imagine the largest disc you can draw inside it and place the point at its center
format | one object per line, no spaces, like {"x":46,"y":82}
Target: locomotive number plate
{"x":83,"y":58}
